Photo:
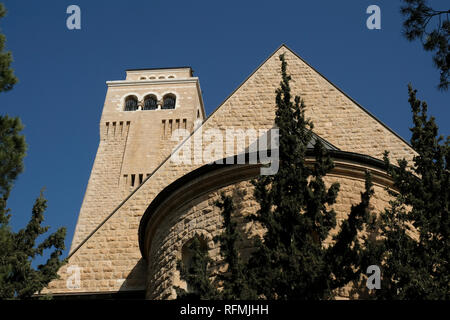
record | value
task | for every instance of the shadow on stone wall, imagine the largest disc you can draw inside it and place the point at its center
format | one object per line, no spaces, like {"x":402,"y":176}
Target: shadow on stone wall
{"x":136,"y":279}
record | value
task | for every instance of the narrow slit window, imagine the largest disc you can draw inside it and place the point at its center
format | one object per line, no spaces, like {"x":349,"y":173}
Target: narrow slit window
{"x":164,"y":129}
{"x":133,"y":178}
{"x":170,"y":127}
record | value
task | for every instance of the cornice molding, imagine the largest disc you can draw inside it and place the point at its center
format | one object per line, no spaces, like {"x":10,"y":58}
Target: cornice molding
{"x":121,"y":83}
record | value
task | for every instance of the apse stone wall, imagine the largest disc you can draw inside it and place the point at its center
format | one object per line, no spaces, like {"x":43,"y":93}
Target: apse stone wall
{"x":200,"y":217}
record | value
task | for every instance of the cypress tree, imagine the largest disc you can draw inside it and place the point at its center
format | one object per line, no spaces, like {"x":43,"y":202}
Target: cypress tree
{"x":196,"y":273}
{"x":7,"y":77}
{"x":415,"y":246}
{"x":432,"y":28}
{"x":235,"y":284}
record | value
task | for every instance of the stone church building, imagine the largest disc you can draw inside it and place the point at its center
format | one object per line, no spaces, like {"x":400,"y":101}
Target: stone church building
{"x":140,"y":208}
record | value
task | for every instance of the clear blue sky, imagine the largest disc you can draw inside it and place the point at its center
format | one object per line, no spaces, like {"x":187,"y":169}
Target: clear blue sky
{"x":62,"y":73}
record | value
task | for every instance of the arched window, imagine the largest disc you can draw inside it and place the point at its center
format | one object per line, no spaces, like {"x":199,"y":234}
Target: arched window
{"x":169,"y":101}
{"x":194,"y":255}
{"x":150,"y":102}
{"x":131,"y":103}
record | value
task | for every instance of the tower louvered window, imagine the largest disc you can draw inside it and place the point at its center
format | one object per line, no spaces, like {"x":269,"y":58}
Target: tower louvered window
{"x":150,"y":103}
{"x":131,"y":103}
{"x":169,"y":102}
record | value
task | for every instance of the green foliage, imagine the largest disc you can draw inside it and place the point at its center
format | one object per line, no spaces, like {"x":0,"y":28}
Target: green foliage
{"x":235,"y":284}
{"x":418,"y":16}
{"x":18,"y":279}
{"x":416,"y":244}
{"x":12,"y":151}
{"x":7,"y":78}
{"x":347,"y":256}
{"x":196,"y":273}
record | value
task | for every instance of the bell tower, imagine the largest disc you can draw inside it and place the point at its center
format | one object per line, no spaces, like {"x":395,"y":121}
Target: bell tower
{"x":139,"y":115}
